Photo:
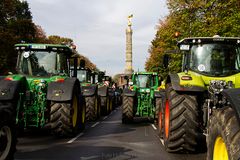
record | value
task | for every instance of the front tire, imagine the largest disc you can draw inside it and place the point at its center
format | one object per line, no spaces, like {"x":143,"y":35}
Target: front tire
{"x":8,"y":137}
{"x":127,"y":109}
{"x":181,"y":116}
{"x":91,"y":108}
{"x":223,"y":140}
{"x":105,"y":105}
{"x":64,"y":118}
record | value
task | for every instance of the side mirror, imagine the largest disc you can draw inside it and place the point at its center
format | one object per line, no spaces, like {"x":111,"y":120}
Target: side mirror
{"x":74,"y":72}
{"x":159,"y":81}
{"x":82,"y":63}
{"x":165,"y":60}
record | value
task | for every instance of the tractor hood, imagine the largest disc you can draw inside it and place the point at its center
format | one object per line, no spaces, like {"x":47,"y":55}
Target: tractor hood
{"x":33,"y":81}
{"x":195,"y":79}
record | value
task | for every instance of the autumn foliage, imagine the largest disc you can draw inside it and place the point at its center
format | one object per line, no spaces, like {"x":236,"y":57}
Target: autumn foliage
{"x":198,"y":18}
{"x":16,"y":26}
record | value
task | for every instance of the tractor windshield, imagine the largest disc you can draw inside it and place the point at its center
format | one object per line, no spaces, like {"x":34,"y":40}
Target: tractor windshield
{"x":144,"y":80}
{"x":82,"y":75}
{"x":42,"y":63}
{"x":215,"y":59}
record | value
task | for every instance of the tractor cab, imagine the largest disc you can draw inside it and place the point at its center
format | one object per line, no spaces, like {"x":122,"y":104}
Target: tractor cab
{"x":215,"y":56}
{"x":206,"y":59}
{"x":43,"y":60}
{"x":144,"y":80}
{"x":84,"y":75}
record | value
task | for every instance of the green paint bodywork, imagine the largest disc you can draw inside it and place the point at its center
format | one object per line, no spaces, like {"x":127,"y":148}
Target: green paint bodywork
{"x":33,"y":107}
{"x":145,"y":95}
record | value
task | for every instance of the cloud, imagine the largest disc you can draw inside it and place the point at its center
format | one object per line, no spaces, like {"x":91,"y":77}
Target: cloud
{"x":98,"y":27}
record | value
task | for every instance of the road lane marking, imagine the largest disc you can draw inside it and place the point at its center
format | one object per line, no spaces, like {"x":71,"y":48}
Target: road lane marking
{"x":154,"y":127}
{"x":105,"y":117}
{"x":161,"y":140}
{"x":72,"y":140}
{"x":95,"y":124}
{"x":146,"y":132}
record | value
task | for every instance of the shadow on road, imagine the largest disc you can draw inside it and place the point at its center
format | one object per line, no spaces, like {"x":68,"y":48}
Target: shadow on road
{"x":77,"y":152}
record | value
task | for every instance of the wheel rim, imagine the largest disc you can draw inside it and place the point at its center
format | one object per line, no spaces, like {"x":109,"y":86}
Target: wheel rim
{"x":5,"y":141}
{"x":75,"y":111}
{"x":167,"y":119}
{"x":220,"y":149}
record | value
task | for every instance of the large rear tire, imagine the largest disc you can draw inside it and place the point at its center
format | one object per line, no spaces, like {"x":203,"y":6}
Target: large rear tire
{"x":64,"y":117}
{"x":127,"y":109}
{"x":91,"y":108}
{"x":181,"y":122}
{"x":223,"y":140}
{"x":8,"y":137}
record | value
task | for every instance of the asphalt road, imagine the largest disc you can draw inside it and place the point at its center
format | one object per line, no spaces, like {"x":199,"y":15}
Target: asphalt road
{"x":107,"y":139}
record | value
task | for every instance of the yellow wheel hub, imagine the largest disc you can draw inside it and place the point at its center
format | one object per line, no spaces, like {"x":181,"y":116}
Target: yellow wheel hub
{"x":75,"y":111}
{"x":220,"y":149}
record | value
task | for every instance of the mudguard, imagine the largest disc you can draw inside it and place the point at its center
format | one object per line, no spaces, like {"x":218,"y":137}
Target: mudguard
{"x":233,"y":96}
{"x":128,"y":92}
{"x":175,"y":81}
{"x":103,"y":91}
{"x":89,"y":90}
{"x":62,"y":91}
{"x":9,"y":89}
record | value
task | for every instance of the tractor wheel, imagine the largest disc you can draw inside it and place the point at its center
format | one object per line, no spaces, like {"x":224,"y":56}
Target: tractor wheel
{"x":105,"y":105}
{"x":127,"y":109}
{"x":160,"y":113}
{"x":91,"y":108}
{"x":223,"y":140}
{"x":158,"y":103}
{"x":98,"y":107}
{"x":181,"y":118}
{"x":8,"y":137}
{"x":110,"y":101}
{"x":64,"y":117}
{"x":82,"y":114}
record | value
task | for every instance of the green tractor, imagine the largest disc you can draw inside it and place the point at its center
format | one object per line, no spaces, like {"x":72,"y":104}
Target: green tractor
{"x":203,"y":99}
{"x":106,"y":93}
{"x":8,"y":137}
{"x":142,"y":98}
{"x":42,"y":93}
{"x":88,"y":80}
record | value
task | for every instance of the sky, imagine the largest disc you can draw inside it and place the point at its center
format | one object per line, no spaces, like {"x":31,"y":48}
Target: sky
{"x":98,"y":27}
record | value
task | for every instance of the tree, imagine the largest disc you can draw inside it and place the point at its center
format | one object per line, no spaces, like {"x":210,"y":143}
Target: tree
{"x":58,"y":40}
{"x":15,"y":25}
{"x":191,"y":18}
